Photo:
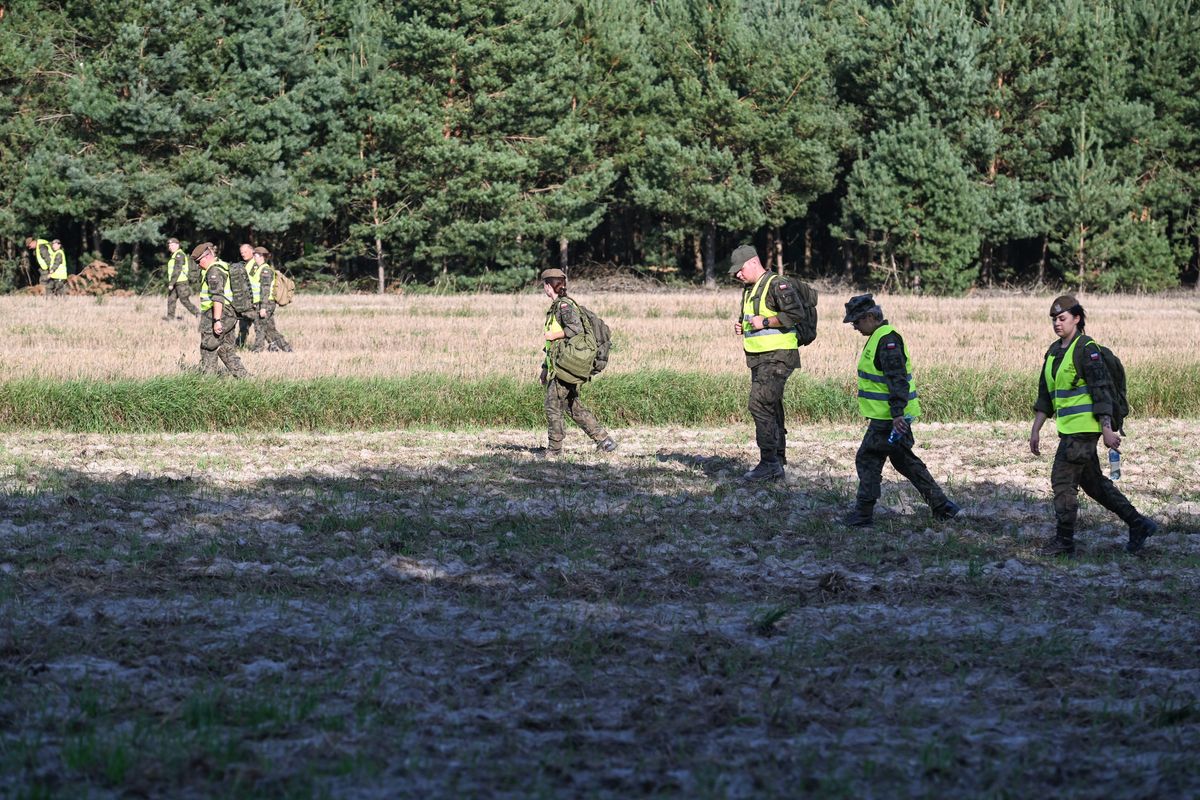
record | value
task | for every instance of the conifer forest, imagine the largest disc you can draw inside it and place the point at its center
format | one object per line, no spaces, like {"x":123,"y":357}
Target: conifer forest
{"x":911,"y":145}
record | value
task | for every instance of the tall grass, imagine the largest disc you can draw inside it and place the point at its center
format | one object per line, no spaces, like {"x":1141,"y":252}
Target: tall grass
{"x":192,"y":402}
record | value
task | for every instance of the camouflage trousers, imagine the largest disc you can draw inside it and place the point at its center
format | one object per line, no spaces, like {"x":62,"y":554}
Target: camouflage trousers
{"x":223,"y":347}
{"x":875,"y":450}
{"x":245,"y":320}
{"x":183,"y":293}
{"x":266,"y":335}
{"x":767,"y":382}
{"x":52,"y":286}
{"x":564,"y":398}
{"x":1075,"y":466}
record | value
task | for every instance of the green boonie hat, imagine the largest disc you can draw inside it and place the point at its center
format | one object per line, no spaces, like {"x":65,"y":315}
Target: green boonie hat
{"x":859,"y":306}
{"x":199,"y":249}
{"x":1064,"y":302}
{"x":740,"y":256}
{"x":553,"y":273}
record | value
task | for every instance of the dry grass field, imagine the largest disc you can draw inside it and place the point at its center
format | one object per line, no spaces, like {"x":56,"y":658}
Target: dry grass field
{"x":421,"y":614}
{"x":483,"y":335}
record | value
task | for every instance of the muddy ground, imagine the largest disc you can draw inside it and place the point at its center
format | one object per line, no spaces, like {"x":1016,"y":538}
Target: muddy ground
{"x":427,"y":614}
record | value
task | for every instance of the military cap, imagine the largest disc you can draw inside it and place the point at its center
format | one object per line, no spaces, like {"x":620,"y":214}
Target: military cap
{"x":859,"y":306}
{"x":1062,"y":303}
{"x":553,"y":273}
{"x":262,"y":251}
{"x":172,"y":240}
{"x":55,"y":241}
{"x":740,"y":256}
{"x":199,"y":249}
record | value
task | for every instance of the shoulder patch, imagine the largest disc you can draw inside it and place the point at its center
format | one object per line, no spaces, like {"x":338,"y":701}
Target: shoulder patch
{"x":783,"y":286}
{"x":564,"y":306}
{"x":1095,"y":356}
{"x":890,"y":346}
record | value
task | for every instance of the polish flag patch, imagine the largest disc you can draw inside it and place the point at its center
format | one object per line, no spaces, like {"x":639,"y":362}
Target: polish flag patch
{"x":1095,"y":356}
{"x":890,"y":346}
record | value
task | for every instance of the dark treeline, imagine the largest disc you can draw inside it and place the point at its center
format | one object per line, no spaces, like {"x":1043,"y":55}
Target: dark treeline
{"x":915,"y":144}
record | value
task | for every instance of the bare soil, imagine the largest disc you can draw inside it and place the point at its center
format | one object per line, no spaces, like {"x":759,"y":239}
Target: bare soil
{"x":430,"y":614}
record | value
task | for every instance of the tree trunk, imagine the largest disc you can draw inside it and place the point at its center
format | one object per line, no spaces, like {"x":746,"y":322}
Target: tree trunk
{"x":1079,"y":252}
{"x":564,"y":248}
{"x":985,"y":265}
{"x":1042,"y":260}
{"x":847,"y":264}
{"x":136,"y":261}
{"x":710,"y":256}
{"x":697,"y":254}
{"x":808,"y":250}
{"x":769,"y":261}
{"x":380,"y":265}
{"x":778,"y":237}
{"x":96,"y":240}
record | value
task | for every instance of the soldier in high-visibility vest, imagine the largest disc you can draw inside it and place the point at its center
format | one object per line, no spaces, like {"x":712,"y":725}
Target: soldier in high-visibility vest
{"x":771,"y":308}
{"x":887,"y":397}
{"x":243,"y":294}
{"x":1074,"y":386}
{"x":218,"y":320}
{"x":563,"y":321}
{"x":52,"y":265}
{"x":262,"y":282}
{"x":178,"y":268}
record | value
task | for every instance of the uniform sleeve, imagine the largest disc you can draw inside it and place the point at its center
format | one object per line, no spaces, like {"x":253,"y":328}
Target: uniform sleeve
{"x":568,"y":318}
{"x":784,"y":297}
{"x":892,"y":361}
{"x":1090,"y":364}
{"x":216,"y":286}
{"x":265,"y":282}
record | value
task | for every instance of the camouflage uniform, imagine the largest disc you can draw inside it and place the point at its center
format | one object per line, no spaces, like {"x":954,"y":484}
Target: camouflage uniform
{"x":243,"y":301}
{"x":178,"y":289}
{"x":266,"y":335}
{"x":891,"y":359}
{"x":769,"y":372}
{"x":563,"y":397}
{"x":1075,"y":461}
{"x":223,"y":347}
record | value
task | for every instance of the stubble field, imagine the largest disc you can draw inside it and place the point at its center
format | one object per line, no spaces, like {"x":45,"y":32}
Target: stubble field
{"x":427,"y":614}
{"x":437,"y":613}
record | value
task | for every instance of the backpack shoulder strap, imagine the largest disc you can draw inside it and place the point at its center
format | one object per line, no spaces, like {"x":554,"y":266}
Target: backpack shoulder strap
{"x":762,"y":292}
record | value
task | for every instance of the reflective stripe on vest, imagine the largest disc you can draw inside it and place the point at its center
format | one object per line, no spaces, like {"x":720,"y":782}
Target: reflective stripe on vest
{"x":206,"y":301}
{"x":178,"y":255}
{"x":1072,"y":404}
{"x":58,"y":265}
{"x":872,"y":385}
{"x":754,"y":303}
{"x":43,"y":265}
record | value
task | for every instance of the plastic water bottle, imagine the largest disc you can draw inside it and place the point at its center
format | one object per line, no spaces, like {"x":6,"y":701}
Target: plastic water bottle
{"x":894,"y":436}
{"x":1114,"y":464}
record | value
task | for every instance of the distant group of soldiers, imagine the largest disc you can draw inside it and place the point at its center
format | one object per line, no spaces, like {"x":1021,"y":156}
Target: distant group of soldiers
{"x":234,"y":297}
{"x":1074,"y":387}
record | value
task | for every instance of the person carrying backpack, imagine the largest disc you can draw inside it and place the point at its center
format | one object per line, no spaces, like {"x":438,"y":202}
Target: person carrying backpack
{"x":1076,"y":387}
{"x":778,"y":315}
{"x":564,"y":322}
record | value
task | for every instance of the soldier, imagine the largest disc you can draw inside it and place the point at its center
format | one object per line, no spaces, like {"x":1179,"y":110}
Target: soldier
{"x":52,"y":265}
{"x":243,"y":295}
{"x":262,"y":282}
{"x":563,"y":321}
{"x":1075,"y":387}
{"x":178,"y":268}
{"x":218,"y":322}
{"x":772,"y":305}
{"x":887,"y":397}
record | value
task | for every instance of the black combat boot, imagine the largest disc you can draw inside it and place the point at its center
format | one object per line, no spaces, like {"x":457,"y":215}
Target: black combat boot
{"x":1139,"y":532}
{"x":768,"y":469}
{"x":1060,"y":545}
{"x":607,"y":445}
{"x":862,"y":515}
{"x":947,"y":510}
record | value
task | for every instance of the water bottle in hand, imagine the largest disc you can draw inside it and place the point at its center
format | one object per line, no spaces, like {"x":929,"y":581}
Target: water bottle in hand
{"x":1114,"y":464}
{"x":894,"y":436}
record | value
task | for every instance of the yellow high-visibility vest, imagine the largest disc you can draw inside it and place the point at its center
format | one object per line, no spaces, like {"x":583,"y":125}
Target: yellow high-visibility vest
{"x":872,"y":385}
{"x":754,"y":303}
{"x":1072,"y":404}
{"x":206,"y":301}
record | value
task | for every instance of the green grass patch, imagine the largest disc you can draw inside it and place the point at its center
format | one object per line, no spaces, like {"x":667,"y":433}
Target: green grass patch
{"x":198,"y":403}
